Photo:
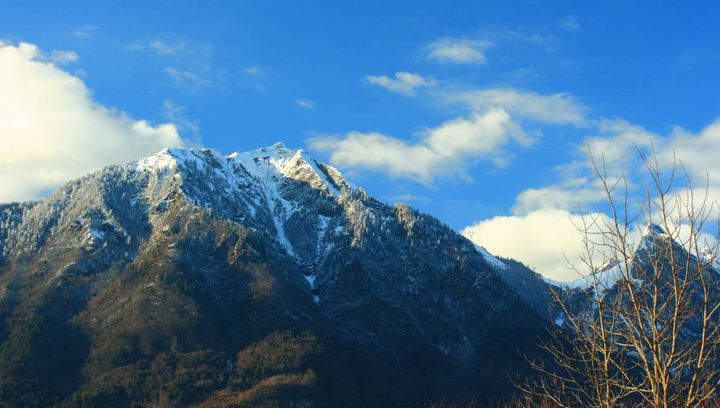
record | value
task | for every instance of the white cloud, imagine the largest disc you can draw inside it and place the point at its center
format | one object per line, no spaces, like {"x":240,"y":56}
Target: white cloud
{"x":453,"y":147}
{"x":253,"y":70}
{"x":570,"y":23}
{"x":540,"y":41}
{"x":408,"y":197}
{"x":557,"y":197}
{"x":541,"y":239}
{"x":51,"y":130}
{"x":86,"y":31}
{"x":188,"y":79}
{"x":698,"y":153}
{"x":404,"y":82}
{"x":57,"y":57}
{"x":615,"y":151}
{"x":559,"y":108}
{"x":63,"y":57}
{"x":189,"y":63}
{"x":306,"y":104}
{"x":618,"y":143}
{"x":544,"y":216}
{"x":447,"y":149}
{"x":177,"y":115}
{"x":524,"y":74}
{"x":551,"y":242}
{"x":164,"y":48}
{"x":695,"y":152}
{"x":172,"y":48}
{"x":459,"y":50}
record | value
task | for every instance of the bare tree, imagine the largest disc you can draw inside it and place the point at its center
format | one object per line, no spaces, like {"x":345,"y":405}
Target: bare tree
{"x":646,"y":332}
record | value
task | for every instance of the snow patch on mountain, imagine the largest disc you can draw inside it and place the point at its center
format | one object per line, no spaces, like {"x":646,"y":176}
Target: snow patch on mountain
{"x":653,"y":230}
{"x":489,"y":258}
{"x":311,"y":280}
{"x":268,"y":165}
{"x":168,"y":158}
{"x":271,"y":164}
{"x":710,"y":257}
{"x":603,"y":280}
{"x":257,"y":185}
{"x":161,"y":160}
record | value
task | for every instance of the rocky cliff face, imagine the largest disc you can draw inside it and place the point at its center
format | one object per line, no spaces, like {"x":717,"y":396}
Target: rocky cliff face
{"x":257,"y":278}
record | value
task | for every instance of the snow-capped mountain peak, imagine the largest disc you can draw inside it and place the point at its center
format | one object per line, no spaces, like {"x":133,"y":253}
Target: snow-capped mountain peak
{"x":271,"y":188}
{"x":266,"y":165}
{"x":278,"y":160}
{"x":168,"y":158}
{"x":653,"y":230}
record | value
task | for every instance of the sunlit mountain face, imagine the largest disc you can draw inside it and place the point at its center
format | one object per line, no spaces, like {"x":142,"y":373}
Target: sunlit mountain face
{"x":258,"y":277}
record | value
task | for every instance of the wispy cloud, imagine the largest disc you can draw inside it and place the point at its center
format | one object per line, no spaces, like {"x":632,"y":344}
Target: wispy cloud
{"x":536,"y":40}
{"x":56,"y":57}
{"x":165,"y":47}
{"x":405,"y":83}
{"x":189,"y":63}
{"x":188,"y":79}
{"x":459,"y":50}
{"x":408,"y":197}
{"x":86,"y":31}
{"x":253,"y":70}
{"x":568,"y":195}
{"x":559,"y":108}
{"x":570,"y":23}
{"x":178,"y":116}
{"x":306,"y":104}
{"x":524,"y":74}
{"x":63,"y":57}
{"x":615,"y":146}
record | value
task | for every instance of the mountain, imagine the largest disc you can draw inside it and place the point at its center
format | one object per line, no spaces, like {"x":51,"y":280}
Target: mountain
{"x":659,"y":265}
{"x":263,"y":278}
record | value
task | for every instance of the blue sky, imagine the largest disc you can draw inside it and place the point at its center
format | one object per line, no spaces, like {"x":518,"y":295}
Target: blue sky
{"x":324,"y":76}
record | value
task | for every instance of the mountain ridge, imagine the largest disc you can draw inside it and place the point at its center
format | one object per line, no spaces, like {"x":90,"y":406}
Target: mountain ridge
{"x":189,"y":251}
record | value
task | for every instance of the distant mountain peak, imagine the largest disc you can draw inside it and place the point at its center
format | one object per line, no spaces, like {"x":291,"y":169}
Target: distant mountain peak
{"x":652,"y":229}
